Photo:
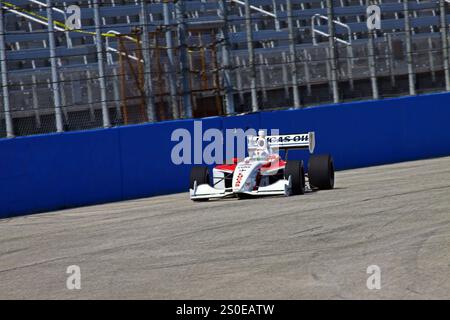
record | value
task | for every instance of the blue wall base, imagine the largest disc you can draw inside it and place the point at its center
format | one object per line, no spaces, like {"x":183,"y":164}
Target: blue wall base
{"x":57,"y":171}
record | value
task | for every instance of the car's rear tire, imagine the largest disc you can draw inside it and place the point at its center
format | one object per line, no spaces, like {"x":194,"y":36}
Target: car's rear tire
{"x":295,"y":170}
{"x":321,"y":172}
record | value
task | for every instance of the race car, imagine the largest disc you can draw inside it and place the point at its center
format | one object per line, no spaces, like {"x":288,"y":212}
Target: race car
{"x":263,"y":172}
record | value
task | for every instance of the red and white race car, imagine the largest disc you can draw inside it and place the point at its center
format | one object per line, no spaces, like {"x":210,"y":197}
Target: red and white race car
{"x":263,"y":172}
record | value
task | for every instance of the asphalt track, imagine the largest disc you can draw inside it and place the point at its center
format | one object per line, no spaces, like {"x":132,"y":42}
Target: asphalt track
{"x":316,"y":246}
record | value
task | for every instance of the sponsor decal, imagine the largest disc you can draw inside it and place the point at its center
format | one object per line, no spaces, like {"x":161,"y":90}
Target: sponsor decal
{"x":239,"y":180}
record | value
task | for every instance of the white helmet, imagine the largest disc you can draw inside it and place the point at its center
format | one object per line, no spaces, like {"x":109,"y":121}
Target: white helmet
{"x":262,"y":150}
{"x":262,"y":133}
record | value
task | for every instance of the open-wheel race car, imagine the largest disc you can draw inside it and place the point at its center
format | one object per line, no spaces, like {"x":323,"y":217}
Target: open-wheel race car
{"x":263,"y":172}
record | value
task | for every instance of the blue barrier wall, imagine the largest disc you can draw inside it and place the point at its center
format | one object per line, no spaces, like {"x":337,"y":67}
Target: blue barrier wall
{"x":43,"y":173}
{"x":147,"y":167}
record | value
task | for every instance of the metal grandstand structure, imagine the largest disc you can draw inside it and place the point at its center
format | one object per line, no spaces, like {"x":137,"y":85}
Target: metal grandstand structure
{"x":137,"y":61}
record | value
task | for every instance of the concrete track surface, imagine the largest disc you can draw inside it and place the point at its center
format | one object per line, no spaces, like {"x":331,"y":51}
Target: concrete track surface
{"x":316,"y":246}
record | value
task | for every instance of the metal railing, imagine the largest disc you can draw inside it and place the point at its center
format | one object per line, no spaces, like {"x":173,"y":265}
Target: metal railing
{"x":317,"y":17}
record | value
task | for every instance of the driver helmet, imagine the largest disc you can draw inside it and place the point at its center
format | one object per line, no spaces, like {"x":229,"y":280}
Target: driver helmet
{"x":262,"y":150}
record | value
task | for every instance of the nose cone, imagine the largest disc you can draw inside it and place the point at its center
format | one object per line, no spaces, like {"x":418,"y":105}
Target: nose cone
{"x":238,"y":182}
{"x":244,"y":177}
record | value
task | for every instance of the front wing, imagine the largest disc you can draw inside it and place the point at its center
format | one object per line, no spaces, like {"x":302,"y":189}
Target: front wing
{"x":205,"y":191}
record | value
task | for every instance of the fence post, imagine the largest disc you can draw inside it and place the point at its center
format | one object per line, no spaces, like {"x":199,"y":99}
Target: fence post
{"x":332,"y":46}
{"x":54,"y":68}
{"x":251,"y":56}
{"x":6,"y":104}
{"x":390,"y":51}
{"x":171,"y":65}
{"x":239,"y":81}
{"x":275,"y":12}
{"x":101,"y":66}
{"x":229,"y":97}
{"x":148,"y":86}
{"x":180,"y":12}
{"x":444,"y":38}
{"x":372,"y":66}
{"x":293,"y":53}
{"x":409,"y":57}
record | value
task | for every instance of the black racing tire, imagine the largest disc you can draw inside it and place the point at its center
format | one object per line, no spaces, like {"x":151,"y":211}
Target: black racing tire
{"x":199,"y":174}
{"x":296,"y":170}
{"x":321,"y":172}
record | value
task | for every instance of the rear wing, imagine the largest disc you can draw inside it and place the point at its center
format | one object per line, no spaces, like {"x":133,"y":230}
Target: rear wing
{"x":286,"y":142}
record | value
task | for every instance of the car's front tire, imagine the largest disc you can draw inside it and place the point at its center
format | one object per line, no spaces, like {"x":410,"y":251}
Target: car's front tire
{"x":201,"y":175}
{"x":295,"y":170}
